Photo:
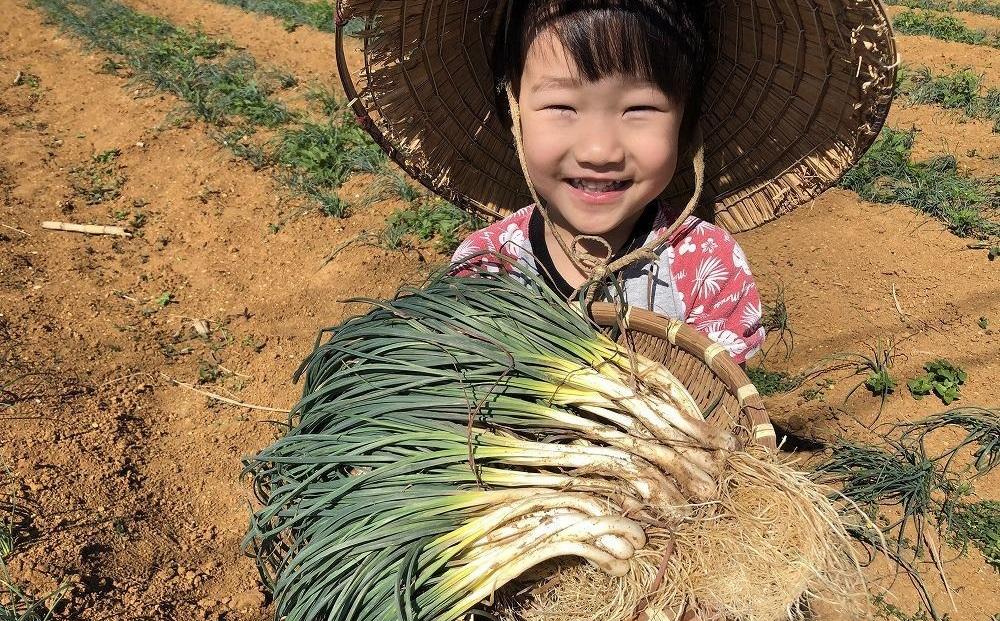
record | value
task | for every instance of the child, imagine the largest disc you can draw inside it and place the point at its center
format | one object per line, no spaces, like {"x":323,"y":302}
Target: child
{"x":603,"y":128}
{"x":605,"y":101}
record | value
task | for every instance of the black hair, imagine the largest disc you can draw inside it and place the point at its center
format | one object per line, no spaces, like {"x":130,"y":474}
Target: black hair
{"x":662,"y":41}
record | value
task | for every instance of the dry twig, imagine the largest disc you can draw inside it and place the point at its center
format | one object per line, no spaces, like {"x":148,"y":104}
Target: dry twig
{"x":90,"y":229}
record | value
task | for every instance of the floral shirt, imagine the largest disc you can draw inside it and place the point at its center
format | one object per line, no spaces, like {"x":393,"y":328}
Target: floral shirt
{"x":702,"y":276}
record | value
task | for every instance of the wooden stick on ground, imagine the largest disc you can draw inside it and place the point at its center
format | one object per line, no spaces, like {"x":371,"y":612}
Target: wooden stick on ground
{"x":90,"y":229}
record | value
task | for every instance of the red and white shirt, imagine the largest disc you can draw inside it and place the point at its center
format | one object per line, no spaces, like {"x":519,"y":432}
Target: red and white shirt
{"x":702,"y":275}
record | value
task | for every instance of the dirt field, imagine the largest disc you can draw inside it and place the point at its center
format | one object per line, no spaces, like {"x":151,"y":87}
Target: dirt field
{"x":132,"y":481}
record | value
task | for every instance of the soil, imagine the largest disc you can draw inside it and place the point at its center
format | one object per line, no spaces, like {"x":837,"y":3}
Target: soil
{"x":132,"y":481}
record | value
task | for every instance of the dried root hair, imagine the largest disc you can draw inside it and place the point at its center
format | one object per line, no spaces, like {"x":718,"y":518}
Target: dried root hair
{"x":771,"y":544}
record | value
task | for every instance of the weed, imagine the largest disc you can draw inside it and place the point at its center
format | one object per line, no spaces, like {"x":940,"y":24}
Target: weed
{"x":982,"y":7}
{"x":425,"y":220}
{"x":24,"y":78}
{"x":891,"y":612}
{"x":775,"y":319}
{"x":239,"y":141}
{"x":173,"y":60}
{"x":98,"y":180}
{"x":208,"y":373}
{"x":17,"y":605}
{"x":944,"y":27}
{"x":983,"y":323}
{"x":874,"y":367}
{"x":886,"y":174}
{"x":772,"y":382}
{"x":977,"y":523}
{"x":958,"y":90}
{"x":942,"y":378}
{"x":818,"y":390}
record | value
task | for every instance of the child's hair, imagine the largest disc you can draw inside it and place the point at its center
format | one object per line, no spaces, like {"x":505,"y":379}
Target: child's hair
{"x":662,"y":41}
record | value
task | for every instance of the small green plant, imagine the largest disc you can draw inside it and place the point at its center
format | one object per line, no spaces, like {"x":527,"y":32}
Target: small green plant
{"x":983,"y":323}
{"x":944,"y":27}
{"x":99,"y":180}
{"x":818,"y":390}
{"x":874,"y":367}
{"x":319,"y":157}
{"x":164,"y":299}
{"x":942,"y":378}
{"x":772,"y":382}
{"x":24,"y":78}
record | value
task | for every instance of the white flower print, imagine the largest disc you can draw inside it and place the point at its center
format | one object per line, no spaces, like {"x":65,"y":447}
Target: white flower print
{"x":466,"y":249}
{"x":740,"y":259}
{"x":696,"y":312}
{"x":712,"y":325}
{"x":681,"y":275}
{"x":702,"y":228}
{"x":710,"y":275}
{"x":752,"y":314}
{"x":687,"y":246}
{"x":733,"y":343}
{"x":709,"y":245}
{"x":513,"y":235}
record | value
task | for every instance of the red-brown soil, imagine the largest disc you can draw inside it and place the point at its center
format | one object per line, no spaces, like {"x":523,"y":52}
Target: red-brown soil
{"x":132,"y":482}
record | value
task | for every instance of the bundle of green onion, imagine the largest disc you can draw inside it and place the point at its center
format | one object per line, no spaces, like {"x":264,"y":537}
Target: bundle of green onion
{"x":455,"y":437}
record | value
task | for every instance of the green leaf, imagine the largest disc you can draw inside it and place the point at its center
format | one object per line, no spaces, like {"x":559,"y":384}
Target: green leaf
{"x":920,"y":386}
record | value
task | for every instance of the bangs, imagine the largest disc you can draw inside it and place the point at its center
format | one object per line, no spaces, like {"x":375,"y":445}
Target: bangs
{"x":661,"y":42}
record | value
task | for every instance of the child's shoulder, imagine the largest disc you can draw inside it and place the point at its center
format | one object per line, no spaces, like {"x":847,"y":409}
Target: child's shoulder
{"x":702,"y":246}
{"x":503,"y":236}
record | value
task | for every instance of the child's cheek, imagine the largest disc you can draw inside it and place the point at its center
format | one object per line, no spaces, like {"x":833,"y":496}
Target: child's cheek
{"x":545,"y":148}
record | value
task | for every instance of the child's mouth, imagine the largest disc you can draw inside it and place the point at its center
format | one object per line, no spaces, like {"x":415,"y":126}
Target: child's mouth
{"x":594,"y":191}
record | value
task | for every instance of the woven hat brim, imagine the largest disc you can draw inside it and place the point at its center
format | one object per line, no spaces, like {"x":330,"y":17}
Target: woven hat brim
{"x":798,"y":91}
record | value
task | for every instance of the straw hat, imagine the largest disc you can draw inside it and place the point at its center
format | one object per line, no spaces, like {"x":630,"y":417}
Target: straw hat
{"x":798,"y":91}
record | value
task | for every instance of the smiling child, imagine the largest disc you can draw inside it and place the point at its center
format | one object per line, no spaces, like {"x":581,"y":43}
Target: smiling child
{"x":614,"y":120}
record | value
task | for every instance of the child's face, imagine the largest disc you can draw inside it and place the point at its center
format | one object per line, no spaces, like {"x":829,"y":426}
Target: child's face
{"x":597,"y":152}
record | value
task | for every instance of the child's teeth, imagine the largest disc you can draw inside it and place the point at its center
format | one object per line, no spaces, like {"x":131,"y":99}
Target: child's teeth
{"x":597,"y":187}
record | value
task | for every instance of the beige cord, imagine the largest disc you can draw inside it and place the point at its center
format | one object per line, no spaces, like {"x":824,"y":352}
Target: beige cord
{"x":599,"y":269}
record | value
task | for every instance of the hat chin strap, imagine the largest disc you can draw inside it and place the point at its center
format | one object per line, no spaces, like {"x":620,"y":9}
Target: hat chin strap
{"x":599,"y":269}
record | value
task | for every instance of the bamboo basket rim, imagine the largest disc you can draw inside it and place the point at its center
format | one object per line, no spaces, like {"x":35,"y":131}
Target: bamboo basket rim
{"x":724,"y":370}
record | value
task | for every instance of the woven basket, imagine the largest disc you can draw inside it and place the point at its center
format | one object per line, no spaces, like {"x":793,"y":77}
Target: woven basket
{"x":704,"y":367}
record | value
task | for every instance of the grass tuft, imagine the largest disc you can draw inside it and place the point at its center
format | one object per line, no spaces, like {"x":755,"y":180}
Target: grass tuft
{"x":426,"y":219}
{"x":956,"y":91}
{"x":320,"y":156}
{"x":294,"y":13}
{"x":944,"y":27}
{"x":886,"y":174}
{"x":982,"y":7}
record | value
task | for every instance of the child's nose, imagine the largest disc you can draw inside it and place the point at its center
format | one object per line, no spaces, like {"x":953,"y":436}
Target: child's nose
{"x":599,"y":146}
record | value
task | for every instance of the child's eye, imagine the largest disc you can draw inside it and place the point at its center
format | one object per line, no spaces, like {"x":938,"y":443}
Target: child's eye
{"x":561,"y":109}
{"x":641,"y":109}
